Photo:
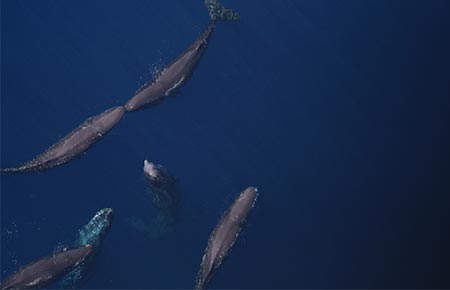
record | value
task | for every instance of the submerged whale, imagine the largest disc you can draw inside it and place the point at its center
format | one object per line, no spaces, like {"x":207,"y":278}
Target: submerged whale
{"x":44,"y":271}
{"x":165,"y":198}
{"x":95,"y":230}
{"x":163,"y":190}
{"x":178,"y":72}
{"x":224,"y":235}
{"x":161,"y":184}
{"x":92,"y":234}
{"x":74,"y":143}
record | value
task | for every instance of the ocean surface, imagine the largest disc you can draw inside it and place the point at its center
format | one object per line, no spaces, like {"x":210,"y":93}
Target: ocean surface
{"x":337,"y":110}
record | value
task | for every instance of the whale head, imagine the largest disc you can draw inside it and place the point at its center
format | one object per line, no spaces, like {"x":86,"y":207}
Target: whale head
{"x":151,"y":170}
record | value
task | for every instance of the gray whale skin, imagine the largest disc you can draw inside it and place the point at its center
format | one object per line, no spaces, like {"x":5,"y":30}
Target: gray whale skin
{"x":224,"y":235}
{"x":74,"y":143}
{"x":44,"y":271}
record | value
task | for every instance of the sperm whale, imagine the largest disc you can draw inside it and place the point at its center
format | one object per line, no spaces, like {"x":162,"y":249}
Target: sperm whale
{"x":92,"y":234}
{"x":43,"y":272}
{"x":225,"y":235}
{"x":74,"y":143}
{"x":178,"y":71}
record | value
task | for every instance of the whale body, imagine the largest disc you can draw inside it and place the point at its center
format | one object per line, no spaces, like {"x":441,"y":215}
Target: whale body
{"x":74,"y":143}
{"x":43,"y":272}
{"x":224,"y":235}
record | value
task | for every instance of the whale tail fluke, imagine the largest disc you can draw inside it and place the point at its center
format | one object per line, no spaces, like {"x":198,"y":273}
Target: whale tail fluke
{"x":219,"y":13}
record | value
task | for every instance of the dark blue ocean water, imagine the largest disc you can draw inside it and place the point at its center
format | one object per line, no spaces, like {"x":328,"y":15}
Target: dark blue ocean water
{"x":337,"y":110}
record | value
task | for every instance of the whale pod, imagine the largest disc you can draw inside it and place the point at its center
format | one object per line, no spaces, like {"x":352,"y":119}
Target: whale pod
{"x":44,"y":271}
{"x":92,"y":234}
{"x":224,"y":235}
{"x":74,"y":143}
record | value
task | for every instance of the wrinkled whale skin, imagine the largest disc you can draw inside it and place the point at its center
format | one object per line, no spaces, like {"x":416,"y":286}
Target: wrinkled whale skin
{"x":173,"y":76}
{"x":44,"y":271}
{"x":74,"y":143}
{"x":224,"y":235}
